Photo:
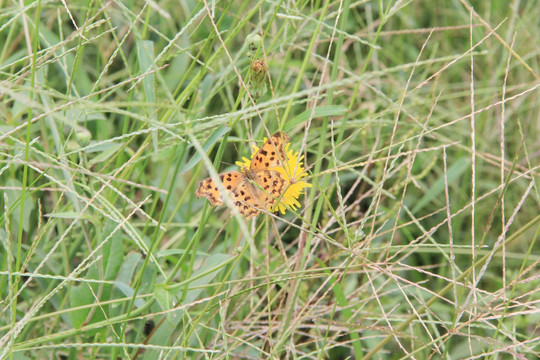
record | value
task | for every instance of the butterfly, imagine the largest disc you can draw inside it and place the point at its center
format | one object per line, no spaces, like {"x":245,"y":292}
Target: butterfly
{"x":254,"y":189}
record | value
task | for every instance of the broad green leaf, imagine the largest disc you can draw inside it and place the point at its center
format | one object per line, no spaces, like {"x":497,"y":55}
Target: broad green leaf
{"x":163,"y":297}
{"x":128,"y":267}
{"x":208,"y":271}
{"x":128,"y":292}
{"x":81,"y":295}
{"x":125,"y":275}
{"x":113,"y":256}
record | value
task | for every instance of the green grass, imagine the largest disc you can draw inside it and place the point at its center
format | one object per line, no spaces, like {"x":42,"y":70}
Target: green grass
{"x":419,"y":124}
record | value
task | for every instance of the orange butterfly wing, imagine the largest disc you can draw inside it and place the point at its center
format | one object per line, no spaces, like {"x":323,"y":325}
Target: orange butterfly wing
{"x":208,"y":187}
{"x":246,"y":198}
{"x":272,"y":186}
{"x":271,"y":154}
{"x":242,"y":193}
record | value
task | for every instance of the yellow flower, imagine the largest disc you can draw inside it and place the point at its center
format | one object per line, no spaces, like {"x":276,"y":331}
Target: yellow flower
{"x":292,"y":172}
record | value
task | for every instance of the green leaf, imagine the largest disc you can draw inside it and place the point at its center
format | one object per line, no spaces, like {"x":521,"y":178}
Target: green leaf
{"x":112,"y":257}
{"x":65,"y":215}
{"x":206,"y":86}
{"x":437,"y":188}
{"x":128,"y":267}
{"x":169,"y":252}
{"x":105,"y":154}
{"x":216,"y":135}
{"x":326,"y":110}
{"x":125,"y":275}
{"x":101,"y":147}
{"x":163,"y":297}
{"x":78,"y":296}
{"x":128,"y":291}
{"x":81,"y":295}
{"x":208,"y":271}
{"x":14,"y":204}
{"x":20,"y":356}
{"x":145,"y":53}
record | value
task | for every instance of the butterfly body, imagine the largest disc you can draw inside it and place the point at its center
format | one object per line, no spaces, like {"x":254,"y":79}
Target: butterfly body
{"x":250,"y":175}
{"x":255,"y":188}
